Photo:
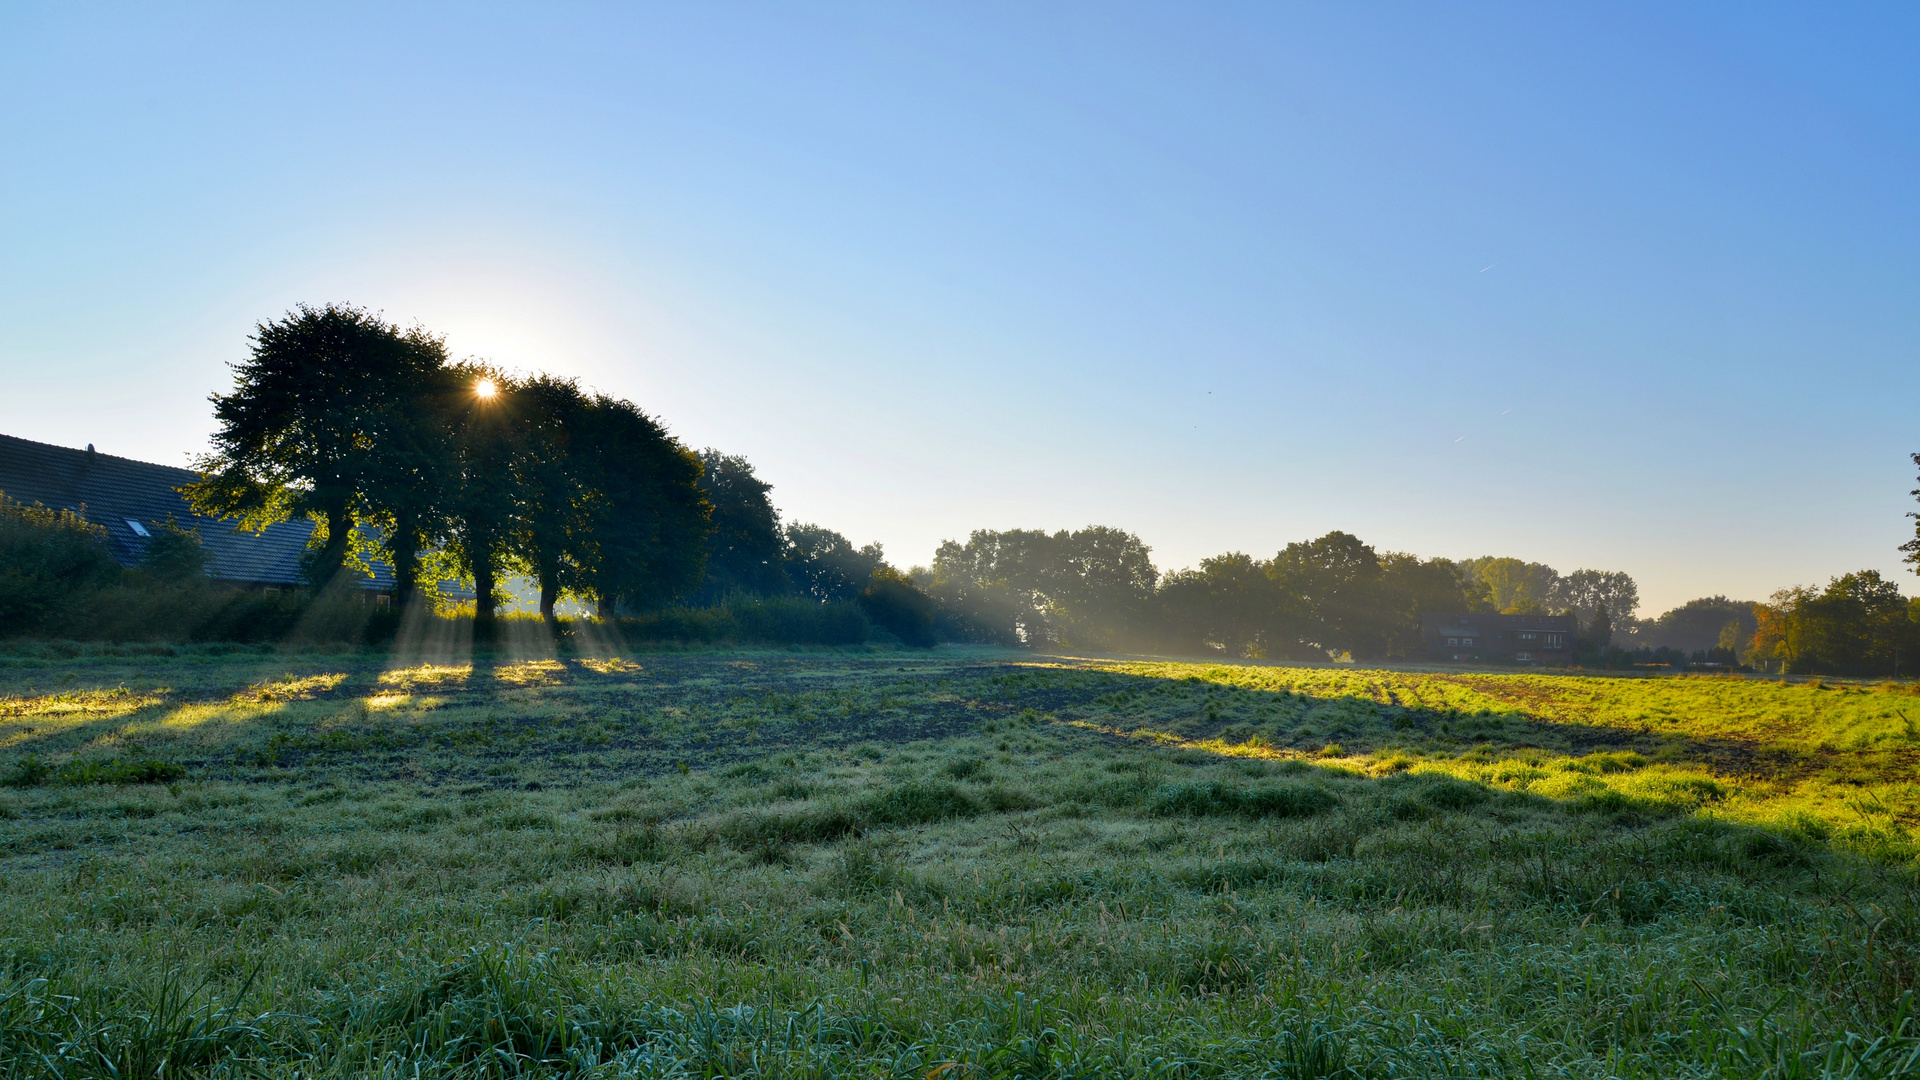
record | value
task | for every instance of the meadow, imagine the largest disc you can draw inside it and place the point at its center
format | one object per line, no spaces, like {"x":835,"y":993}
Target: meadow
{"x":963,"y":862}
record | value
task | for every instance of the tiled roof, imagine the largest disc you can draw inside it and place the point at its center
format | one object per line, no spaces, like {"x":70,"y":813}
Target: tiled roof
{"x":115,"y":491}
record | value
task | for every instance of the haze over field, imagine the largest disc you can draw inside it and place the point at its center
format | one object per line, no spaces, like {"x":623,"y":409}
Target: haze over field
{"x":1618,"y":287}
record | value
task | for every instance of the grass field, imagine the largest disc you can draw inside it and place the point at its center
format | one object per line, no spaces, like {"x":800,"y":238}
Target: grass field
{"x":963,"y":863}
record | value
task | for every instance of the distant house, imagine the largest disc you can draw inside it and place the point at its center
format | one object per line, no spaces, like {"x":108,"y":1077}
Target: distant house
{"x":1503,"y":639}
{"x":129,"y":498}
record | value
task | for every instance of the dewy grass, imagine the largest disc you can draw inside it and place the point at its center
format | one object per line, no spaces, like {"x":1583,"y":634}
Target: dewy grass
{"x":960,"y":863}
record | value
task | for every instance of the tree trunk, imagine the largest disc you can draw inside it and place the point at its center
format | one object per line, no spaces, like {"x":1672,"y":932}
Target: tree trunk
{"x":480,"y":552}
{"x":333,"y":554}
{"x":605,"y":609}
{"x":549,"y":593}
{"x":404,"y":550}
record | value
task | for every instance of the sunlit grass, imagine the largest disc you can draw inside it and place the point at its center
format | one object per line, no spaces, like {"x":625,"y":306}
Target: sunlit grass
{"x":289,"y":688}
{"x":427,"y":675}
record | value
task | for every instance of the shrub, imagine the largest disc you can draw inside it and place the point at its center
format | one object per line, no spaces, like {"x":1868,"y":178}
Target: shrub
{"x":173,"y":553}
{"x":772,"y":621}
{"x":50,"y":562}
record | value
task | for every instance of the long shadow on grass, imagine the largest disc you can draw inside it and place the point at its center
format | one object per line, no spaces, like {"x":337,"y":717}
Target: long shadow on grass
{"x":662,"y":710}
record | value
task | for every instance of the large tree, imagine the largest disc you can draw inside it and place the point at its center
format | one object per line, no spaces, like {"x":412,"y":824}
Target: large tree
{"x":1510,"y":585}
{"x":826,"y":566}
{"x":317,"y":408}
{"x":405,"y":487}
{"x":480,"y":409}
{"x":1584,"y":592}
{"x":1860,"y":623}
{"x":1335,"y":583}
{"x":643,"y":532}
{"x":1411,"y":587}
{"x":1091,"y":586}
{"x":744,"y":551}
{"x":554,"y":476}
{"x":1228,"y":604}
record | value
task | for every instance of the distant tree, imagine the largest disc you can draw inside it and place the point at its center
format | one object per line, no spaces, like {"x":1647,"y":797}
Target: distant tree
{"x":966,"y":610}
{"x":643,"y":538}
{"x":996,"y":578}
{"x":1335,"y":583}
{"x":1596,"y":635}
{"x":744,"y":553}
{"x":1098,"y":585}
{"x":314,"y":409}
{"x":1583,"y":592}
{"x":1227,"y":604}
{"x":1411,"y":587}
{"x":1734,"y":636}
{"x":1513,"y":586}
{"x":1696,"y":626}
{"x":1858,"y":624}
{"x":1090,"y":586}
{"x":826,"y":566}
{"x":892,"y":601}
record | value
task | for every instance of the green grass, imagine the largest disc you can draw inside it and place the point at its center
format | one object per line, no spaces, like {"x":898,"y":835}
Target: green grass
{"x":962,"y":863}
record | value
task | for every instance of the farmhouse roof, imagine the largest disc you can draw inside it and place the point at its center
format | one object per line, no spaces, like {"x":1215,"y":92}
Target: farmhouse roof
{"x":128,"y":497}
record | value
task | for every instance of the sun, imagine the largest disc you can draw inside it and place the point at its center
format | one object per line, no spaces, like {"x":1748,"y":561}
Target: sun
{"x":485,"y":388}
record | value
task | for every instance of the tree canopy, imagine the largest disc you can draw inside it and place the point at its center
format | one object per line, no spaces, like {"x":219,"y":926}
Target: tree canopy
{"x":745,"y":553}
{"x":319,"y":415}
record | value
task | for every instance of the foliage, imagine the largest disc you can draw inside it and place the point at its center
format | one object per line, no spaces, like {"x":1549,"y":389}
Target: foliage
{"x":1584,"y":593}
{"x":50,"y":560}
{"x":551,"y":522}
{"x":826,"y":566}
{"x":1508,"y":585}
{"x":896,"y":605}
{"x":1912,"y":547}
{"x":1088,"y":587}
{"x":745,"y":552}
{"x":647,"y":526}
{"x":970,"y":862}
{"x":1705,"y":625}
{"x":770,"y":621}
{"x":1334,"y":595}
{"x":317,"y":413}
{"x":480,"y":411}
{"x":1229,"y":604}
{"x":1858,"y":624}
{"x":173,"y":552}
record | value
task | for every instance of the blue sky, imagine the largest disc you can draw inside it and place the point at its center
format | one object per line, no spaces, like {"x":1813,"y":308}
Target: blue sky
{"x":1624,"y":287}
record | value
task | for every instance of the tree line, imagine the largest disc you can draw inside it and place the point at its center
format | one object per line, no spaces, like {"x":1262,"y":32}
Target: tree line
{"x":458,"y":469}
{"x":445,"y":469}
{"x":1331,"y":596}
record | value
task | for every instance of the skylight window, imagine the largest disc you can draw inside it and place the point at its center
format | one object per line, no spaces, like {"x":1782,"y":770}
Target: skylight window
{"x":138,"y":529}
